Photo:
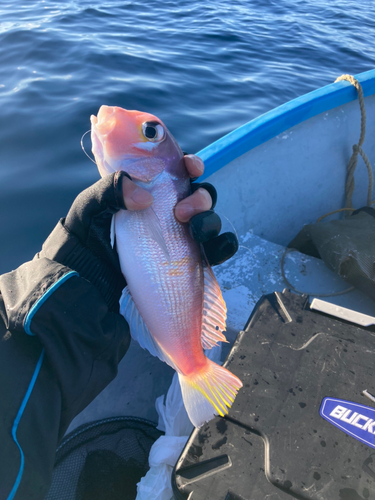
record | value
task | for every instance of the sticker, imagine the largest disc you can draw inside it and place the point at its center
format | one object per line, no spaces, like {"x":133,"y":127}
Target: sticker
{"x":354,"y":419}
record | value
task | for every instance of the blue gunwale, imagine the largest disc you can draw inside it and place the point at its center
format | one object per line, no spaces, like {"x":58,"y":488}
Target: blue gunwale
{"x":282,"y":118}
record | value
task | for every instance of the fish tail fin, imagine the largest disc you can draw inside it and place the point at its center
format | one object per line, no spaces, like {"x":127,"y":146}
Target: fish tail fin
{"x":209,"y":392}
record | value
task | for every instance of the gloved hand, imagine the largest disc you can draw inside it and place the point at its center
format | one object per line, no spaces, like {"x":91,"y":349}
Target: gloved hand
{"x":197,"y":209}
{"x":81,"y":241}
{"x":205,"y":224}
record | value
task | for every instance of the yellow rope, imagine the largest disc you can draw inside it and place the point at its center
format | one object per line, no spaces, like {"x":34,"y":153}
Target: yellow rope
{"x":289,"y":285}
{"x":337,"y":211}
{"x":357,"y":148}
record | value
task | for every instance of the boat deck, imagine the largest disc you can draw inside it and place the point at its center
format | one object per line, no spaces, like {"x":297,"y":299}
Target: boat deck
{"x":254,"y":271}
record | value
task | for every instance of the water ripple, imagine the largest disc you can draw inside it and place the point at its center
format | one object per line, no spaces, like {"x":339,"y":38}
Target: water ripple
{"x":205,"y":67}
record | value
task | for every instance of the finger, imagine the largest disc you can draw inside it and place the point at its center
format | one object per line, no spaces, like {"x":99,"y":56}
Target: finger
{"x":194,"y":165}
{"x":135,"y":197}
{"x":205,"y":226}
{"x":208,"y":187}
{"x":200,"y":201}
{"x":221,"y":248}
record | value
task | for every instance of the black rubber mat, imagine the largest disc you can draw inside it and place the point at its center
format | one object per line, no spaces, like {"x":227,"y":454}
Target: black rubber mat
{"x":274,"y":444}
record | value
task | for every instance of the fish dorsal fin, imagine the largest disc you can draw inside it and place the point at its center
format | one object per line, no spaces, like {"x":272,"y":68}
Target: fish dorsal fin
{"x":139,"y":330}
{"x":155,"y":230}
{"x":214,"y":310}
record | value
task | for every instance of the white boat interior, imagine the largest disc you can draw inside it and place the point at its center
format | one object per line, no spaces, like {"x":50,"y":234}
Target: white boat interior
{"x":273,"y":175}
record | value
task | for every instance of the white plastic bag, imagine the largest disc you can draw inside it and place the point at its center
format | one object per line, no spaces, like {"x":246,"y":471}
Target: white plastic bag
{"x":156,"y":484}
{"x":174,"y":421}
{"x":173,"y":418}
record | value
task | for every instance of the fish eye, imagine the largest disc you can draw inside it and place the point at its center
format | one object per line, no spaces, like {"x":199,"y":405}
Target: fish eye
{"x":153,"y":131}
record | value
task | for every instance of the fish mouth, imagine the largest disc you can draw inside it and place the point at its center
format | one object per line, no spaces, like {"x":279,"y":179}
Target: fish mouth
{"x":105,"y":122}
{"x":102,"y":126}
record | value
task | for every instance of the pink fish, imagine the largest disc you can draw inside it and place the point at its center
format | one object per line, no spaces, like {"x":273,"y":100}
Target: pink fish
{"x":172,"y":301}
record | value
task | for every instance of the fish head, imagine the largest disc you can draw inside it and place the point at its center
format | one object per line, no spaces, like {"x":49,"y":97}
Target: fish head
{"x":137,"y":143}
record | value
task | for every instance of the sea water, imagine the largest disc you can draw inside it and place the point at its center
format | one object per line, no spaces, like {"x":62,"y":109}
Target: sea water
{"x":204,"y":67}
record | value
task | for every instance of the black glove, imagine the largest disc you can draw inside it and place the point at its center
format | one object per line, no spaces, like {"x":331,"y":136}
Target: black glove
{"x":205,"y":228}
{"x":81,"y":241}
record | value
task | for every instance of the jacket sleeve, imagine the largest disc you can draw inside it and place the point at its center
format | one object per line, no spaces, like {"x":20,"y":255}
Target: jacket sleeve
{"x":59,"y":347}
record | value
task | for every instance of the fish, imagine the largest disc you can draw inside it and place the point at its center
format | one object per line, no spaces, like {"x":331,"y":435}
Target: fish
{"x":172,"y":301}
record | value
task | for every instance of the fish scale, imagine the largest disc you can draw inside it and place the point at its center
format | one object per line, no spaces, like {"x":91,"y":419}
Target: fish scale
{"x":176,"y":302}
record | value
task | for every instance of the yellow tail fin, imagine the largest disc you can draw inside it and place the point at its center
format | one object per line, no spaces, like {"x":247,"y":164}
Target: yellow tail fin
{"x":208,"y":393}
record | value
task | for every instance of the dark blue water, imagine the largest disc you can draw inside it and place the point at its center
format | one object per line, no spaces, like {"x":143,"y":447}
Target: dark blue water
{"x":205,"y":67}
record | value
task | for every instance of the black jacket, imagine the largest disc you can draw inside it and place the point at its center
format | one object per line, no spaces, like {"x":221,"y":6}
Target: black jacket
{"x":59,"y":347}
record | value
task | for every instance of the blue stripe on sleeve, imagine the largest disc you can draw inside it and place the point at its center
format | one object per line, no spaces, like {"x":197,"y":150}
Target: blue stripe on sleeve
{"x":17,"y":421}
{"x":43,"y":298}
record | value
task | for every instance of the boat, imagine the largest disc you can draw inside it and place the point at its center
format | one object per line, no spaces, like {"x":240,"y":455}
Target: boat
{"x":275,"y":174}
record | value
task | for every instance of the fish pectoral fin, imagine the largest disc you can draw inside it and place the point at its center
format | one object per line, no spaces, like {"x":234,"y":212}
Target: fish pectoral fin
{"x":112,"y":234}
{"x":214,"y":310}
{"x":209,"y":392}
{"x":139,"y":330}
{"x":155,"y":231}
